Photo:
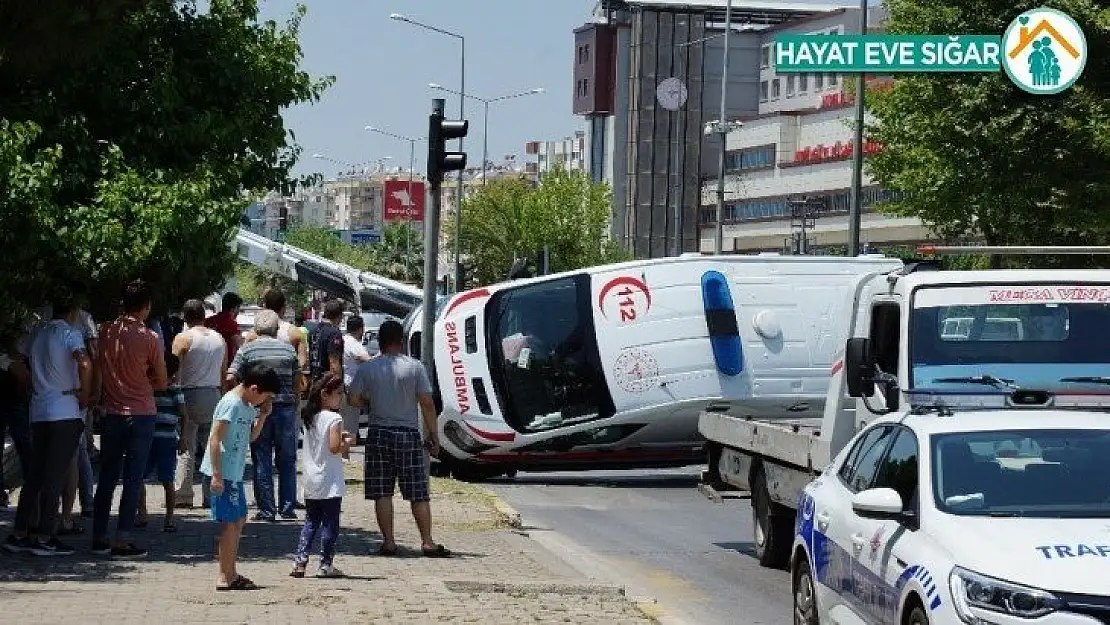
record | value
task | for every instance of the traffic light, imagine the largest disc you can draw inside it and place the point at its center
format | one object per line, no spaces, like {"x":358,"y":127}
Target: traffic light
{"x":440,"y":131}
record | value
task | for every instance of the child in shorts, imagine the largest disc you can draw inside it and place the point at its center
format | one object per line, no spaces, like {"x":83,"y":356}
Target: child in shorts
{"x":237,"y":421}
{"x":162,"y":460}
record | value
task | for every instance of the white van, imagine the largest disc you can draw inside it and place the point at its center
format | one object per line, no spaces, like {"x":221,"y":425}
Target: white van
{"x":610,"y":366}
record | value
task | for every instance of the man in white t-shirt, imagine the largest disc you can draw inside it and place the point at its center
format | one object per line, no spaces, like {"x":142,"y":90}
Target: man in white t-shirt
{"x":61,"y":381}
{"x":354,"y":354}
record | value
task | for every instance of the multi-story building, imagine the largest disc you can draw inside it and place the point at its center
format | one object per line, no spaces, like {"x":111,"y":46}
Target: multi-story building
{"x":655,"y":158}
{"x":799,"y":146}
{"x":568,"y":153}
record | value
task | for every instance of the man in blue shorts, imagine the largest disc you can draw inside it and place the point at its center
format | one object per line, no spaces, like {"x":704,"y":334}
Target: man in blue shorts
{"x":237,"y":421}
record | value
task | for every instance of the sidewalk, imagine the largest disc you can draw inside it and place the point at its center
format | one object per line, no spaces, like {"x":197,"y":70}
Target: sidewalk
{"x":497,"y":576}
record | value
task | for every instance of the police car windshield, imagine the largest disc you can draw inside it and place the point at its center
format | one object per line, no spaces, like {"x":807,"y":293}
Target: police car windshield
{"x":544,"y":361}
{"x":1050,"y":337}
{"x":1023,"y":473}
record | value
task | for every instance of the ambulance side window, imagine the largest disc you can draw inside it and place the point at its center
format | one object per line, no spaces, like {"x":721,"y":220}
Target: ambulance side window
{"x":885,"y":335}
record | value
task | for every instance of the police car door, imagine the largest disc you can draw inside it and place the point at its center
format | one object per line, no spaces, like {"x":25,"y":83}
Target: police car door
{"x":856,"y":474}
{"x":881,"y":547}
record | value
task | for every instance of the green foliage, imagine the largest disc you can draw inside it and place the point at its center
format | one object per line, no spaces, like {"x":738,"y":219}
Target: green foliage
{"x":129,"y":154}
{"x":400,"y":253}
{"x":251,"y":283}
{"x":326,"y":242}
{"x":567,"y":212}
{"x":981,"y":158}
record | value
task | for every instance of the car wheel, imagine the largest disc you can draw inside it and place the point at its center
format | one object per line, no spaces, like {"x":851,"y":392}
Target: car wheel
{"x":918,"y":616}
{"x":805,"y":596}
{"x":771,"y":529}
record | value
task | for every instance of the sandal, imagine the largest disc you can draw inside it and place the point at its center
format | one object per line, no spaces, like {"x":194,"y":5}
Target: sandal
{"x":298,"y":570}
{"x":240,"y":583}
{"x":388,"y":552}
{"x":439,"y":552}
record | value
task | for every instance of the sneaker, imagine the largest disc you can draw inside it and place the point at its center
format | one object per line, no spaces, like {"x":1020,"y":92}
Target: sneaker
{"x":262,"y":515}
{"x":130,"y":550}
{"x":18,"y":545}
{"x":328,"y":570}
{"x":53,"y":547}
{"x":101,"y":548}
{"x":289,"y":515}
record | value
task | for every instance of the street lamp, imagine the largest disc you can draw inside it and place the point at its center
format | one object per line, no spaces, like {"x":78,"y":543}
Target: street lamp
{"x":485,"y":115}
{"x":412,"y":165}
{"x":462,"y":115}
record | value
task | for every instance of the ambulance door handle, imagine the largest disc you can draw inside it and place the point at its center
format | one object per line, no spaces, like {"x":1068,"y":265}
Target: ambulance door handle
{"x":858,"y":541}
{"x":823,"y":521}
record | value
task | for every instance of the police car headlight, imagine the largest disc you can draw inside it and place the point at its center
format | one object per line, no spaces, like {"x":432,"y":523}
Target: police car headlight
{"x":987,"y":593}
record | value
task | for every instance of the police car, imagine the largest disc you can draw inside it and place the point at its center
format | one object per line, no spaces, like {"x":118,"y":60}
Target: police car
{"x":980,"y":516}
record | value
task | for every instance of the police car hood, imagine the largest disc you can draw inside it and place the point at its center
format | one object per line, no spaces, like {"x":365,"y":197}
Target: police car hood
{"x":1066,"y":555}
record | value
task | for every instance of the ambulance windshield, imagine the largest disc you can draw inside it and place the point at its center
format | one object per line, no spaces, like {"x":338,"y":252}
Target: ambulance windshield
{"x":543,"y":354}
{"x":1050,"y":337}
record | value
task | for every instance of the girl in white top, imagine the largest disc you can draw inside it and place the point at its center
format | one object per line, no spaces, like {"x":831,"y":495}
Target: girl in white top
{"x":324,"y":443}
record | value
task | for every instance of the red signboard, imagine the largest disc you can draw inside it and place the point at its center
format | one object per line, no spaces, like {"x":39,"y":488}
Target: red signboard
{"x":837,"y":151}
{"x":404,"y":200}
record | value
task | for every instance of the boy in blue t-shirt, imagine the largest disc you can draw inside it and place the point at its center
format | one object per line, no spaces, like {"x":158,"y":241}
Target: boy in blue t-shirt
{"x":170,"y":404}
{"x":238,"y":420}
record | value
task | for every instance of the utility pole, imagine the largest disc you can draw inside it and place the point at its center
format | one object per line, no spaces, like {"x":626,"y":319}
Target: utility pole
{"x":439,"y":161}
{"x":855,"y":209}
{"x":719,"y":232}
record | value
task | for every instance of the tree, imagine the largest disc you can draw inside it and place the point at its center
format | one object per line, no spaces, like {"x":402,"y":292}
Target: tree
{"x":567,"y":213}
{"x":400,"y":254}
{"x":130,"y":155}
{"x":979,"y":157}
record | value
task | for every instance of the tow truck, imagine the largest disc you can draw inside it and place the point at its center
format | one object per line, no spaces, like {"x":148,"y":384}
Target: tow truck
{"x":880,"y":508}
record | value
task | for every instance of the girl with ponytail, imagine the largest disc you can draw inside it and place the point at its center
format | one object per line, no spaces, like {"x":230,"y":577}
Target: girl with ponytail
{"x":324,"y":444}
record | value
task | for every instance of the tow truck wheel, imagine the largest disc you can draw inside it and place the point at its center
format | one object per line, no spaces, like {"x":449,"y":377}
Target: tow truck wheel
{"x":805,"y":597}
{"x":771,"y":527}
{"x":918,"y":616}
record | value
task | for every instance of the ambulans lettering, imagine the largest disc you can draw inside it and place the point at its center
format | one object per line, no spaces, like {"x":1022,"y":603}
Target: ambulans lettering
{"x":1074,"y":550}
{"x":458,"y":369}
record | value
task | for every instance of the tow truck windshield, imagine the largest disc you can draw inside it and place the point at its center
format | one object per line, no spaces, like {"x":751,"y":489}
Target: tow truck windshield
{"x":1049,"y":337}
{"x":1022,"y":473}
{"x":544,"y":361}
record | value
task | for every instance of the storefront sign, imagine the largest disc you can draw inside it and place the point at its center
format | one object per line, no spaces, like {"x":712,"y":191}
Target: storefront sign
{"x":838,"y":151}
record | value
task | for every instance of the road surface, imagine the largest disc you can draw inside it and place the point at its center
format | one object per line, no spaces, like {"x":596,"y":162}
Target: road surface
{"x":653,"y":532}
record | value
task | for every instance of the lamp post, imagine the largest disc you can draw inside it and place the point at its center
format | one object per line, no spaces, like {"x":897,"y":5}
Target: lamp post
{"x":462,"y":115}
{"x":412,"y":164}
{"x":485,"y":115}
{"x":718,"y":231}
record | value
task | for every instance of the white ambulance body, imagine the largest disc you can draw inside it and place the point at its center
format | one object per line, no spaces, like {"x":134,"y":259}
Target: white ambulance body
{"x":610,"y":366}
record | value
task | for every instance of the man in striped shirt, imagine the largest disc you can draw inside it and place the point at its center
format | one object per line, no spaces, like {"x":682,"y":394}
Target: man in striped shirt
{"x":279,"y":435}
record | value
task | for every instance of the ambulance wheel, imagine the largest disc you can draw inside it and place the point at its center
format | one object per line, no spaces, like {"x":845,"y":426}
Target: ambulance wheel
{"x":805,"y":596}
{"x":771,"y":527}
{"x":918,"y":616}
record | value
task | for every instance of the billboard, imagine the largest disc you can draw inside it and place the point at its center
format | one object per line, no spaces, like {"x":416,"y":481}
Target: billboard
{"x":365,"y":237}
{"x":404,"y":200}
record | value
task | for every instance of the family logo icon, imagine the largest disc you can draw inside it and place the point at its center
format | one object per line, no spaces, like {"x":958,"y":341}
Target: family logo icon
{"x":1045,"y":51}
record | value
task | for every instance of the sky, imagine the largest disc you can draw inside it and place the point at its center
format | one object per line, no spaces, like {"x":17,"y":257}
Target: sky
{"x":383,"y":67}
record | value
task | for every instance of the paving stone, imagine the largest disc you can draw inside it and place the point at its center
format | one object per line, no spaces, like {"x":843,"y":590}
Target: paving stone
{"x":497,"y":576}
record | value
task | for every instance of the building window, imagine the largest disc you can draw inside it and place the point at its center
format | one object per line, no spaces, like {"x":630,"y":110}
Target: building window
{"x":803,"y":83}
{"x":766,"y":60}
{"x":763,"y":89}
{"x":776,"y":88}
{"x":585,"y":87}
{"x":818,"y":82}
{"x":831,"y":80}
{"x":790,"y":83}
{"x":586,"y":53}
{"x":751,"y":158}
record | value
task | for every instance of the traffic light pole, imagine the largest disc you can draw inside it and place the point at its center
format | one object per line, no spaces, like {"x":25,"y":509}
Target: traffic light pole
{"x":431,"y":247}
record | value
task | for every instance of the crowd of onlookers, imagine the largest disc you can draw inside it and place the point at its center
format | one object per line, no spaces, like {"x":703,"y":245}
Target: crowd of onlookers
{"x":194,"y":390}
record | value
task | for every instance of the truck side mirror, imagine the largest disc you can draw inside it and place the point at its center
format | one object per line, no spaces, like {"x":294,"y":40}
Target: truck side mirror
{"x":859,"y":367}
